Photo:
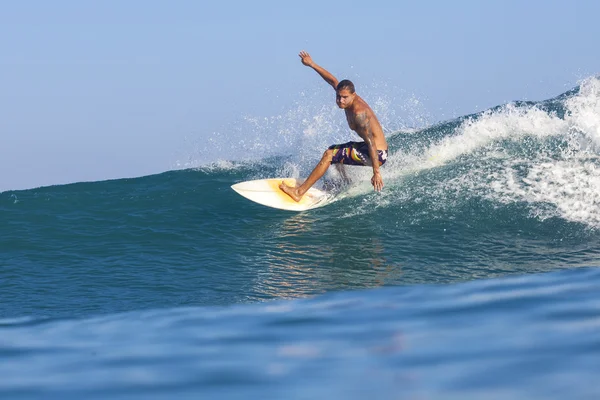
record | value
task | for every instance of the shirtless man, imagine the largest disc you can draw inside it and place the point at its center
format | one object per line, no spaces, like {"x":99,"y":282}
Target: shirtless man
{"x":361,"y":120}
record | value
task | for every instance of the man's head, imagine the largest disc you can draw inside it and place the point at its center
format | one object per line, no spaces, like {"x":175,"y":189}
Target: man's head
{"x":345,"y":94}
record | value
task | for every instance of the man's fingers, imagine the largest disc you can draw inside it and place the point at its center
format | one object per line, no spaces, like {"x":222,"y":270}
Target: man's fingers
{"x":377,"y":184}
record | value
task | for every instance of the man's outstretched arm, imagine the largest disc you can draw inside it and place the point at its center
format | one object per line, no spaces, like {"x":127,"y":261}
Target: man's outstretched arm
{"x":307,"y":60}
{"x":364,"y":128}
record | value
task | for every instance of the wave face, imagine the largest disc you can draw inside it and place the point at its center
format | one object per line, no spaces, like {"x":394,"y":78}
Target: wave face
{"x":514,"y":190}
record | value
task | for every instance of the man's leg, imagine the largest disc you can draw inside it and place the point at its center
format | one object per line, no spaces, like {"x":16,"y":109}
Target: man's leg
{"x":296,"y":193}
{"x":342,"y":171}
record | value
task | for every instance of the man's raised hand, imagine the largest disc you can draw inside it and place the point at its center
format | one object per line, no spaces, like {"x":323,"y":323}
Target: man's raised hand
{"x":306,"y":60}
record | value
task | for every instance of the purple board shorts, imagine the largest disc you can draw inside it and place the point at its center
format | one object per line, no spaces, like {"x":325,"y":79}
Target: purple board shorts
{"x":355,"y":153}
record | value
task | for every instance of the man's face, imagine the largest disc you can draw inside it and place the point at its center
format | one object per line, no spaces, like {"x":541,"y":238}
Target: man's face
{"x":344,"y":98}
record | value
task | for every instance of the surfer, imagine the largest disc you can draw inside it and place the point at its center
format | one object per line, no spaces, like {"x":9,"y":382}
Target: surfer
{"x":362,"y":120}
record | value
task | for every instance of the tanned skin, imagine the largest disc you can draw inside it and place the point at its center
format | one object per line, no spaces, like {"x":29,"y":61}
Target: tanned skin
{"x":361,"y":119}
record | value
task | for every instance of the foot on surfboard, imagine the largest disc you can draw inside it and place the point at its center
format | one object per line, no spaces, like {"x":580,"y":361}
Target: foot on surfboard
{"x":291,"y":191}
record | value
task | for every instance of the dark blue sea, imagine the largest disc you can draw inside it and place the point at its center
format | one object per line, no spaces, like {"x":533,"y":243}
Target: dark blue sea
{"x":473,"y":275}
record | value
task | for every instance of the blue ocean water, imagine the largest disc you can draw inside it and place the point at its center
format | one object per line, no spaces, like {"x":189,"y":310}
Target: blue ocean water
{"x":474,"y":274}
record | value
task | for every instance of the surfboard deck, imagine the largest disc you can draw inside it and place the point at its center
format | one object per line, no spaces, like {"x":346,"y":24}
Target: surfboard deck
{"x":267,"y":193}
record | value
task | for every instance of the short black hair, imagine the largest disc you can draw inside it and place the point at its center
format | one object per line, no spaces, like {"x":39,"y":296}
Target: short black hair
{"x":346,"y":84}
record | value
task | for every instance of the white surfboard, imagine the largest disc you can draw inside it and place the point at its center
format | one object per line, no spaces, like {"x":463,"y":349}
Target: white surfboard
{"x":267,"y":193}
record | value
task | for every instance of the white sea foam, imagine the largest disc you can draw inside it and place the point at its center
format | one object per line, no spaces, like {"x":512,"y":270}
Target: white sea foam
{"x":509,"y":122}
{"x":584,"y":112}
{"x":564,"y":184}
{"x":572,"y":187}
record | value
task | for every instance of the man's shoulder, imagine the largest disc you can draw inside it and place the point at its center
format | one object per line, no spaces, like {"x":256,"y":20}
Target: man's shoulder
{"x":362,"y":107}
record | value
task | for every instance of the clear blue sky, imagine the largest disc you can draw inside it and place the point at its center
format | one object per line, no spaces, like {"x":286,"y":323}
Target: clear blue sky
{"x":94,"y":90}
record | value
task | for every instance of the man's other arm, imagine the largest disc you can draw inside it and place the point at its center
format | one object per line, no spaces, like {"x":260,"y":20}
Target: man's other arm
{"x":365,"y":131}
{"x":326,"y":75}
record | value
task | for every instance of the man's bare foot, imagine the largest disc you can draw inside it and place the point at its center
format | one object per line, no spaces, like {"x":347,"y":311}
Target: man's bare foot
{"x":291,"y":191}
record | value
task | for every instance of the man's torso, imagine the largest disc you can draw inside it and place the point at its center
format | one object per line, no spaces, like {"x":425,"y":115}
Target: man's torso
{"x":362,"y":106}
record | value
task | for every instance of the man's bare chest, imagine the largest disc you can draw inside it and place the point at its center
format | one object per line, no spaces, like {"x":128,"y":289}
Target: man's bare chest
{"x":351,"y":120}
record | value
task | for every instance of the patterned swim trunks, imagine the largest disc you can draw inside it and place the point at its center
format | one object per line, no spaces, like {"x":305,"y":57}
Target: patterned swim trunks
{"x":355,"y":153}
